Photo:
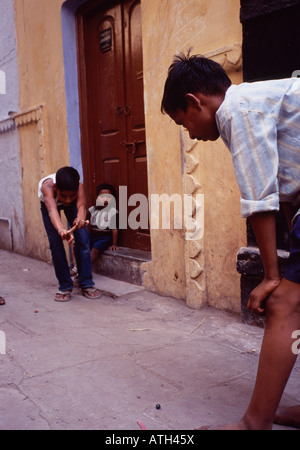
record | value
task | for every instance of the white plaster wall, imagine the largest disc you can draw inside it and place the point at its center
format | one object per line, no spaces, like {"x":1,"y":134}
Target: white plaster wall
{"x":11,"y":205}
{"x":8,"y":60}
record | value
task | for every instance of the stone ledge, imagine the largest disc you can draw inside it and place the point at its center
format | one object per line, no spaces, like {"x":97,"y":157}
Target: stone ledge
{"x":115,"y":288}
{"x":249,"y":265}
{"x":123,"y":265}
{"x":249,"y":261}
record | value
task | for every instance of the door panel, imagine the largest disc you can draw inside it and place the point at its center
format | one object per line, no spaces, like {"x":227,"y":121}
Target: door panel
{"x":137,"y":161}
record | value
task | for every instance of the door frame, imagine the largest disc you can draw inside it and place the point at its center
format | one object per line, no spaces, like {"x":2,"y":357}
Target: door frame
{"x":87,"y":138}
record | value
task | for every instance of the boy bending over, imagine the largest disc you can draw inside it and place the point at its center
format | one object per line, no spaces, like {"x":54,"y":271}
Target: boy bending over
{"x":260,"y":124}
{"x":63,"y":191}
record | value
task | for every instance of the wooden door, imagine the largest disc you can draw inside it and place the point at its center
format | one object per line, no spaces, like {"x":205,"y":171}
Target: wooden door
{"x":112,"y":104}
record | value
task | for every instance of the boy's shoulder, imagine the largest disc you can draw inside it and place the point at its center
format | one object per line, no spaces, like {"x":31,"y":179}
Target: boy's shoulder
{"x":260,"y":96}
{"x":46,"y":187}
{"x":47,"y":183}
{"x":258,"y":91}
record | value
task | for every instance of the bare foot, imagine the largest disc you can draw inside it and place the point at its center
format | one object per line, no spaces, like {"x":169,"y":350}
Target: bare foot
{"x":234,"y":426}
{"x":244,"y":424}
{"x":288,"y":416}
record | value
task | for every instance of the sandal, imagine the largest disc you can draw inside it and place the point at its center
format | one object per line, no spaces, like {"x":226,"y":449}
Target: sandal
{"x":91,"y":292}
{"x":62,"y":296}
{"x":2,"y":301}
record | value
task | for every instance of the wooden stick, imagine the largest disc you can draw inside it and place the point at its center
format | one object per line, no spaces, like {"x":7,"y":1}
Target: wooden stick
{"x":197,"y":326}
{"x":75,"y":226}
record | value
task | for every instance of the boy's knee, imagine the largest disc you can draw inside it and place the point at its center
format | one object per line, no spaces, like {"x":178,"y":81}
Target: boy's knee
{"x":275,"y":303}
{"x":285,"y":299}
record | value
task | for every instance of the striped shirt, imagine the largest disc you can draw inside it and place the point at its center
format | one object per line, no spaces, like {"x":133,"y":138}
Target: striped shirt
{"x":260,"y":124}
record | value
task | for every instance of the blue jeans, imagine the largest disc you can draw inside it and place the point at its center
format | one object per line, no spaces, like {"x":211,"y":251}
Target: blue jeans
{"x":82,"y":250}
{"x":292,"y":267}
{"x":101,"y":243}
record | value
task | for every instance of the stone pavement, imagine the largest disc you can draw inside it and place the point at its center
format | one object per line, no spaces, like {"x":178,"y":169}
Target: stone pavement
{"x":105,"y":364}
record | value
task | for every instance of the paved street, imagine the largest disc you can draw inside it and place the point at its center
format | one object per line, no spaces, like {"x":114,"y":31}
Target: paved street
{"x":105,"y":364}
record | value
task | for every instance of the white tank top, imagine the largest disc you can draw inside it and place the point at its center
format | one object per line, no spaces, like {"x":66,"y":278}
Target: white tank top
{"x":40,"y":194}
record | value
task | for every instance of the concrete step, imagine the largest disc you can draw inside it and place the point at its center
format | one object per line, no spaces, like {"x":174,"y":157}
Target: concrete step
{"x":123,"y":265}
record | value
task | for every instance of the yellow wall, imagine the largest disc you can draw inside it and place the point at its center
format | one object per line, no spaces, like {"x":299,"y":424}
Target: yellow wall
{"x":206,"y":268}
{"x":43,"y":140}
{"x":201,"y":271}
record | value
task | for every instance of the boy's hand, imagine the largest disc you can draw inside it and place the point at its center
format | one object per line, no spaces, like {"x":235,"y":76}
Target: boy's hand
{"x":80,"y":223}
{"x":260,"y":294}
{"x":66,"y":235}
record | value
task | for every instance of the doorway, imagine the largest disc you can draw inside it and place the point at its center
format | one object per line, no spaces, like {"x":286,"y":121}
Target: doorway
{"x":111,"y":93}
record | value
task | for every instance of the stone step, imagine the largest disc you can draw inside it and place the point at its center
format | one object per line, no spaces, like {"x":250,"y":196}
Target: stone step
{"x":123,"y":265}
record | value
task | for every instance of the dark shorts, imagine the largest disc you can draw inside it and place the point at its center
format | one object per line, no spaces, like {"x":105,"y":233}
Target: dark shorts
{"x":292,"y":268}
{"x":101,"y":243}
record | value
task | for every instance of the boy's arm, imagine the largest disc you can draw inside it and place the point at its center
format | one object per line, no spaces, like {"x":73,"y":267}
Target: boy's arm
{"x":81,"y":208}
{"x":50,"y":203}
{"x":264,"y":228}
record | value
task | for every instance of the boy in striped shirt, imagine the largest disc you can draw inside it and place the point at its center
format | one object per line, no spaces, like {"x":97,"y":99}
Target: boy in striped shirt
{"x":260,"y":124}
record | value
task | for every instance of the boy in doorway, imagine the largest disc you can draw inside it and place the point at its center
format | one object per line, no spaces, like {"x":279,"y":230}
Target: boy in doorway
{"x":103,"y":222}
{"x":64,"y":191}
{"x":259,"y":123}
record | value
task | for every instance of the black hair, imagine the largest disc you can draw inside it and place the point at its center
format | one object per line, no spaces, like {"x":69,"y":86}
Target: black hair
{"x":190,"y":74}
{"x":67,"y":179}
{"x":107,"y":187}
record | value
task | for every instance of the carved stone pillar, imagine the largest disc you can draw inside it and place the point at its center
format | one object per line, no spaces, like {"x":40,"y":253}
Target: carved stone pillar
{"x":230,"y":57}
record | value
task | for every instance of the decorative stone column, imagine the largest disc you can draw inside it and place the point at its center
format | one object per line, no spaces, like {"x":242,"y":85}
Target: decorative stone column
{"x":194,"y":231}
